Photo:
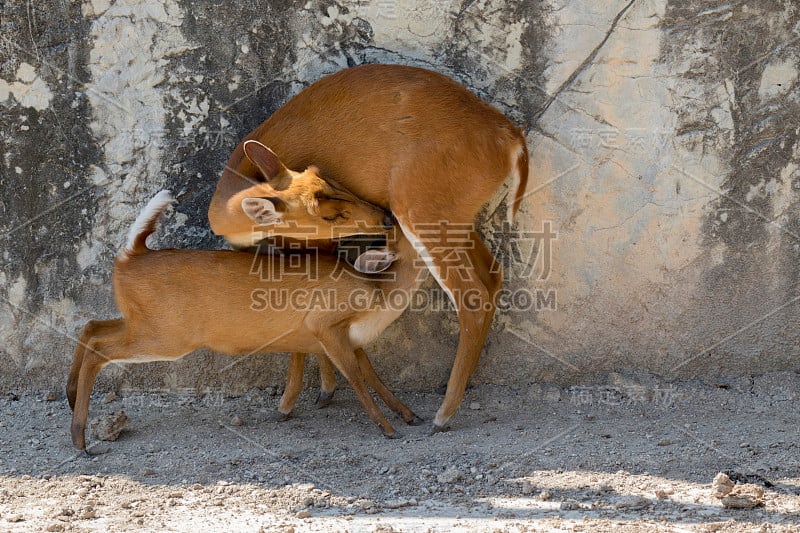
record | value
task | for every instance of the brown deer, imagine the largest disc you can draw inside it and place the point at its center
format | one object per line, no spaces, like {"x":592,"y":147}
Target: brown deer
{"x":411,"y":141}
{"x":176,"y":301}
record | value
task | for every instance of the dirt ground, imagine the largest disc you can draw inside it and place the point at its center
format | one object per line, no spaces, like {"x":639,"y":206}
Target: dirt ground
{"x":634,"y":455}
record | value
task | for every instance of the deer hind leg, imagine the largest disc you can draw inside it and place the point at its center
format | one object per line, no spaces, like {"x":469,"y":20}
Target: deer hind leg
{"x":98,"y":346}
{"x":490,"y":273}
{"x":391,"y":401}
{"x":463,"y":268}
{"x":337,"y":346}
{"x":113,"y":343}
{"x":294,"y":383}
{"x":90,"y":330}
{"x":327,"y":379}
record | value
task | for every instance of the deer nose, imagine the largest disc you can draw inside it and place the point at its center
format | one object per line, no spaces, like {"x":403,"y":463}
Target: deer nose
{"x":388,"y":221}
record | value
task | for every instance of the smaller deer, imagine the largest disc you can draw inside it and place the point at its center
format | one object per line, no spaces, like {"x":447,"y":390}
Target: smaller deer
{"x":176,"y":301}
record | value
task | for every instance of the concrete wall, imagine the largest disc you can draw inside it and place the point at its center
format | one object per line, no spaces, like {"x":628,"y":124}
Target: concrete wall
{"x":660,"y":233}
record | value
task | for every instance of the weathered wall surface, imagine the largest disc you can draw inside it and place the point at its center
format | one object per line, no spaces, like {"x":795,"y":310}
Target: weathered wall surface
{"x":660,"y":232}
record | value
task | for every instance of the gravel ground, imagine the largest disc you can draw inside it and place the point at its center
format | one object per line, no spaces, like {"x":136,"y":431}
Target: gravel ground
{"x":635,"y":455}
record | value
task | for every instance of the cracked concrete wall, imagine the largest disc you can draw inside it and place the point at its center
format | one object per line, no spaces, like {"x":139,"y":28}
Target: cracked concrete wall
{"x":660,"y":230}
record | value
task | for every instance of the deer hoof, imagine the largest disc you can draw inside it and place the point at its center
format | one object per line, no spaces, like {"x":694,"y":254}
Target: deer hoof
{"x":324,"y":399}
{"x":439,"y":429}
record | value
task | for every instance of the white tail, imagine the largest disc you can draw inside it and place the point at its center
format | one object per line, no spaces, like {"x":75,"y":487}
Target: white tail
{"x":145,"y":223}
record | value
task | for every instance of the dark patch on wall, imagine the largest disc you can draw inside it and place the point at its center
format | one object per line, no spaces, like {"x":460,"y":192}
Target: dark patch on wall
{"x":474,"y":65}
{"x":735,"y":42}
{"x":218,"y":32}
{"x":43,"y":221}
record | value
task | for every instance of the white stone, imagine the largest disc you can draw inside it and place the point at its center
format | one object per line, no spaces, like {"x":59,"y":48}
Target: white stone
{"x":777,"y":79}
{"x":26,"y":73}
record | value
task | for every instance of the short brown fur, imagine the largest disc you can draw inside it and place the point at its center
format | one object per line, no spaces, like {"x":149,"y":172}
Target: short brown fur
{"x":412,"y":141}
{"x":176,"y":301}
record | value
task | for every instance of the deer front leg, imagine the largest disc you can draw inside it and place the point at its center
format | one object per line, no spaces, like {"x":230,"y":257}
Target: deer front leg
{"x":392,"y":401}
{"x":339,"y":350}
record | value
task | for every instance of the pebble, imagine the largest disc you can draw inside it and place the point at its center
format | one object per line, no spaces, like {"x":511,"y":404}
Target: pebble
{"x":527,"y":487}
{"x":451,"y":475}
{"x":399,"y":504}
{"x":237,"y":421}
{"x":148,"y":472}
{"x":55,"y":527}
{"x":51,"y":396}
{"x":545,"y":496}
{"x":663,"y":492}
{"x":605,"y":487}
{"x":632,"y":503}
{"x":110,"y":397}
{"x":98,"y":449}
{"x":475,"y":406}
{"x":109,"y":428}
{"x":721,"y":485}
{"x":305,"y":513}
{"x":365,"y":504}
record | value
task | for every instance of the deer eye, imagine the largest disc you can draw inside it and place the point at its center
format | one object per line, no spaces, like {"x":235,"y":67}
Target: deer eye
{"x":334,"y":218}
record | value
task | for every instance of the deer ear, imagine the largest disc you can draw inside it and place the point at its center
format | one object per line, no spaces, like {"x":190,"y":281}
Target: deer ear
{"x":374,"y":261}
{"x":266,"y":161}
{"x":262,"y":211}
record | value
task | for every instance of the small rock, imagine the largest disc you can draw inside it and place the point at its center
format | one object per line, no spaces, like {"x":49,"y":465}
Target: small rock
{"x":365,"y":505}
{"x":305,"y":513}
{"x":632,"y":503}
{"x":87,"y":515}
{"x":51,"y":396}
{"x":55,"y":527}
{"x":569,"y":505}
{"x":110,"y":397}
{"x":544,"y":496}
{"x":527,"y":487}
{"x":475,"y":406}
{"x":664,"y":442}
{"x":15,"y":518}
{"x":605,"y":487}
{"x":110,"y":427}
{"x":451,"y":475}
{"x":148,"y":472}
{"x":237,"y":421}
{"x":399,"y":504}
{"x":98,"y":449}
{"x":663,"y":492}
{"x":745,"y":496}
{"x":721,"y":485}
{"x":712,"y":527}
